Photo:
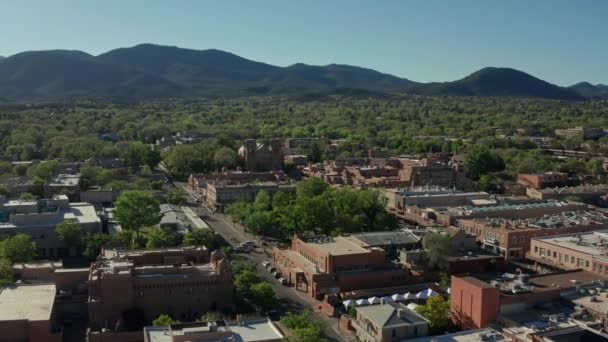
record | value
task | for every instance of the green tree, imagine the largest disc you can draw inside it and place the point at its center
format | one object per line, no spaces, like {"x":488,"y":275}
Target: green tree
{"x":163,"y":321}
{"x":262,"y":201}
{"x":176,"y":196}
{"x":225,"y":157}
{"x":438,"y":248}
{"x":263,"y":296}
{"x":480,"y":161}
{"x":311,"y":187}
{"x":93,"y":244}
{"x":4,"y":190}
{"x":18,"y":248}
{"x":69,"y":232}
{"x":135,"y":209}
{"x":44,"y":170}
{"x":245,"y":280}
{"x":6,"y":272}
{"x":488,"y":183}
{"x":211,"y":316}
{"x":151,"y":158}
{"x":26,"y":196}
{"x":202,"y":237}
{"x":259,"y":222}
{"x":160,"y":238}
{"x":437,"y":311}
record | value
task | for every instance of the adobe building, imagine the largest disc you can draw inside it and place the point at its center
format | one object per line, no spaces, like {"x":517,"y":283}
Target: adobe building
{"x":38,"y":218}
{"x":543,"y":180}
{"x":326,"y":265}
{"x":589,"y":192}
{"x":511,"y":237}
{"x":182,"y":282}
{"x":261,"y":157}
{"x":27,"y":314}
{"x":586,"y":251}
{"x":218,"y":189}
{"x":584,"y":133}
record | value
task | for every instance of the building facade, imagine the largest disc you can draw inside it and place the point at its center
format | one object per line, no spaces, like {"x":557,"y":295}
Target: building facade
{"x":511,"y":237}
{"x":182,"y":282}
{"x":325,"y":265}
{"x":586,"y":251}
{"x":38,"y":218}
{"x":388,"y":323}
{"x":261,"y":157}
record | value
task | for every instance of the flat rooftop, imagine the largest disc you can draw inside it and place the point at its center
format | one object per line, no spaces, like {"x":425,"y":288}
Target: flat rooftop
{"x":563,"y":219}
{"x":511,"y":207}
{"x":256,"y":330}
{"x":65,"y":179}
{"x":246,"y":331}
{"x":27,"y":302}
{"x":396,"y":237}
{"x":335,"y":245}
{"x":593,"y":243}
{"x":479,"y":335}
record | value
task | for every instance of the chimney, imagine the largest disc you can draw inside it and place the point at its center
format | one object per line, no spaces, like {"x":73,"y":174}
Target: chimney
{"x":399,"y":313}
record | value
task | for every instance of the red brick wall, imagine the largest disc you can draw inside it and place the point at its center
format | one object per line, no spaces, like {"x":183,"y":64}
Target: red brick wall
{"x":473,"y":306}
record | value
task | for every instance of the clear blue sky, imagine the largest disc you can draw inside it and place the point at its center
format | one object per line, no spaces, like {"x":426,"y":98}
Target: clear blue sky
{"x":561,"y":41}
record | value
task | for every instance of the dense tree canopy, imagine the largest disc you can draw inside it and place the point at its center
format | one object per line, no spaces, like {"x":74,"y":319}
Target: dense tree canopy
{"x":136,"y":209}
{"x":315,"y":208}
{"x":18,"y":248}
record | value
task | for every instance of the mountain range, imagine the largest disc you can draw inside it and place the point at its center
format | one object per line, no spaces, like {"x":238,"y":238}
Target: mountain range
{"x":153,"y":71}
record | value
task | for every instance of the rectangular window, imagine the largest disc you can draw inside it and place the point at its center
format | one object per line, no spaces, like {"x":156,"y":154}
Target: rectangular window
{"x":554,"y":254}
{"x":572,"y":259}
{"x":536,"y":249}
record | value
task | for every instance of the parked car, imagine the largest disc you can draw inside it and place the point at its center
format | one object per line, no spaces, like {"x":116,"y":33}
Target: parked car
{"x":242,"y":249}
{"x":265,"y":264}
{"x":272,"y":270}
{"x":277,"y":274}
{"x":248,"y":243}
{"x":283,"y":281}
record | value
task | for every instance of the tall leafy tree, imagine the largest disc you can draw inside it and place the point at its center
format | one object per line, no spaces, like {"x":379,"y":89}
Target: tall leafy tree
{"x":69,"y":232}
{"x":136,"y":209}
{"x":18,"y":248}
{"x":437,"y":311}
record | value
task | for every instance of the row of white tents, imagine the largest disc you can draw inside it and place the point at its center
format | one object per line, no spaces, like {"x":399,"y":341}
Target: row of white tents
{"x":428,"y":293}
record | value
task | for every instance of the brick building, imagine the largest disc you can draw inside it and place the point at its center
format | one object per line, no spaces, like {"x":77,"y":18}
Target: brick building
{"x":261,"y":157}
{"x":584,"y":192}
{"x":391,"y":172}
{"x":584,"y":133}
{"x":543,"y":180}
{"x":219,"y":189}
{"x":477,"y":303}
{"x":182,"y":282}
{"x":585,"y":251}
{"x":326,"y":265}
{"x":511,"y":237}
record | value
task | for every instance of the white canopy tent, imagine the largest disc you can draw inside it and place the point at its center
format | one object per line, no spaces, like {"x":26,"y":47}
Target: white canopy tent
{"x":387,"y":299}
{"x":348,"y":304}
{"x":397,"y":297}
{"x":374,"y":300}
{"x":361,"y":302}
